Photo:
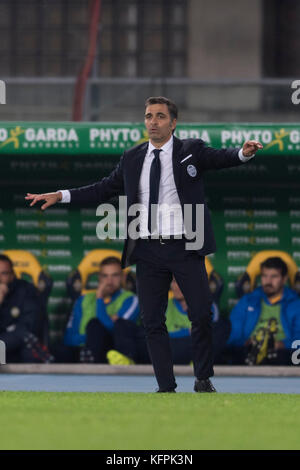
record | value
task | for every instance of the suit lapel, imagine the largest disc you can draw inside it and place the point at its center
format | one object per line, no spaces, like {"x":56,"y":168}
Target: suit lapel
{"x":176,"y":157}
{"x":136,"y":162}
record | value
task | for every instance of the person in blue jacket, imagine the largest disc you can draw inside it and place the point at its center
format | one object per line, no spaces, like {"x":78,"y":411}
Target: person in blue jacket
{"x":265,"y":322}
{"x":101,"y":320}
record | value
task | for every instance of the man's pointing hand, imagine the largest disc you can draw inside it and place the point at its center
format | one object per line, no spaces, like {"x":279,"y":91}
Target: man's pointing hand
{"x":49,"y":198}
{"x":250,"y":147}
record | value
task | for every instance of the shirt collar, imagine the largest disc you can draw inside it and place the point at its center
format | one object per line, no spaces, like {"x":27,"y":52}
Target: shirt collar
{"x":272,"y":301}
{"x":166,"y":147}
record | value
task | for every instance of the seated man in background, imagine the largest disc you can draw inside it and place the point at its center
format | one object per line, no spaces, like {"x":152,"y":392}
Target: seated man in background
{"x":265,"y":322}
{"x":102,"y":321}
{"x":179,"y":327}
{"x":19,"y":310}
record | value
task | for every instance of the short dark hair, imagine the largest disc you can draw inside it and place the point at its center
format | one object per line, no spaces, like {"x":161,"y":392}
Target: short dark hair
{"x":7,"y":260}
{"x":173,"y":110}
{"x":275,"y":263}
{"x":110,"y":260}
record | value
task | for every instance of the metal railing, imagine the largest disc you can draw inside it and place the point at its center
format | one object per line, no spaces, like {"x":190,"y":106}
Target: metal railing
{"x":122,"y":99}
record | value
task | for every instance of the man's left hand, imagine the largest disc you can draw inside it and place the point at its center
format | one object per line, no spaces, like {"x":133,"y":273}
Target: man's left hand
{"x":250,"y":147}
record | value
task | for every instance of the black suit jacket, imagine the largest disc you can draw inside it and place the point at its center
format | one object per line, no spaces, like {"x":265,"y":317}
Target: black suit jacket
{"x":124,"y":179}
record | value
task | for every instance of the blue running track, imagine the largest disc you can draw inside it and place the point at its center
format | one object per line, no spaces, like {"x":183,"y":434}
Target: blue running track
{"x":142,"y":383}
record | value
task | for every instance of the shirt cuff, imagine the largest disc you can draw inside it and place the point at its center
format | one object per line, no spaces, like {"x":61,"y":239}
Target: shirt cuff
{"x":65,"y":196}
{"x":243,"y":157}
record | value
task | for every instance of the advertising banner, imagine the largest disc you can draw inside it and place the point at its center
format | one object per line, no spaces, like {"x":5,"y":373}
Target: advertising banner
{"x":69,"y":138}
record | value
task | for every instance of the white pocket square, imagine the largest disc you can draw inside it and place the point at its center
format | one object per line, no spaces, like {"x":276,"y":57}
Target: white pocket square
{"x":185,"y":158}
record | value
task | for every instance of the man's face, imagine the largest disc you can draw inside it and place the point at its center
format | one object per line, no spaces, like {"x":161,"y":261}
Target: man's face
{"x":178,"y":295}
{"x":158,"y":123}
{"x":6,"y":273}
{"x":272,"y":281}
{"x":111,"y":276}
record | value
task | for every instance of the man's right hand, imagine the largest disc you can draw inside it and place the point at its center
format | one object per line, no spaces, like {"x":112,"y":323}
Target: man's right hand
{"x":50,"y":198}
{"x":101,"y":290}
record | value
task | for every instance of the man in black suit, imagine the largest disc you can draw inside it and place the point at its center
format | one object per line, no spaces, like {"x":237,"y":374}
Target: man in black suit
{"x":168,"y":172}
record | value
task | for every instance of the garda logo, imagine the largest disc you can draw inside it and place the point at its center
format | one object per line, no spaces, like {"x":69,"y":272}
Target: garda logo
{"x":191,"y":169}
{"x":15,"y":312}
{"x":278,"y":141}
{"x":41,"y":137}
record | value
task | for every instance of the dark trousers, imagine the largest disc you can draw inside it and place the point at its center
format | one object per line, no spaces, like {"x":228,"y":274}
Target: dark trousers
{"x":181,"y":350}
{"x":182,"y":347}
{"x":126,"y":337}
{"x":155,"y":265}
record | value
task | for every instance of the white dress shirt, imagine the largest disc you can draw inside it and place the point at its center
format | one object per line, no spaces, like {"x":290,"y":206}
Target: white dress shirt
{"x":170,"y":219}
{"x":169,"y":215}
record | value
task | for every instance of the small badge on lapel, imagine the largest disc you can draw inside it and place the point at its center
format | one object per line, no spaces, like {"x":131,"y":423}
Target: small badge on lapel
{"x":191,"y":169}
{"x":15,"y":312}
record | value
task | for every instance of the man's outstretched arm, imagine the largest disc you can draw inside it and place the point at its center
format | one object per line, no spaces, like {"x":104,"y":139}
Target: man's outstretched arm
{"x":99,"y":192}
{"x":214,"y":159}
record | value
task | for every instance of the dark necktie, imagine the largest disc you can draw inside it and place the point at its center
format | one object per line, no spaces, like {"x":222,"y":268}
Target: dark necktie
{"x":154,"y":190}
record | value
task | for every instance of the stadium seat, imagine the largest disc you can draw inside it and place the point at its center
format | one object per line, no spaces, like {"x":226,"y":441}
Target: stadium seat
{"x":26,"y":265}
{"x":247,"y":281}
{"x":215,"y":281}
{"x":77,"y":282}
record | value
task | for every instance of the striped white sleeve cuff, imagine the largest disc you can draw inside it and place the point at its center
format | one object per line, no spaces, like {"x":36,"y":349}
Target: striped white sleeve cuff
{"x":66,"y":196}
{"x":243,"y":158}
{"x":132,"y":309}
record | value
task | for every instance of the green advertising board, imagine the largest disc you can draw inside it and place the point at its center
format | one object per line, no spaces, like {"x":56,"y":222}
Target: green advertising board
{"x":26,"y":138}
